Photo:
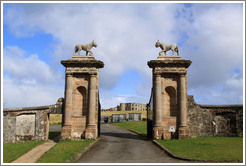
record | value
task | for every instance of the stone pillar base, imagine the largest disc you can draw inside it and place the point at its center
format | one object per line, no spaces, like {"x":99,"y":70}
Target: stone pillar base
{"x":66,"y":132}
{"x":91,"y":132}
{"x":166,"y":135}
{"x":162,"y":133}
{"x":183,"y":132}
{"x":157,"y":133}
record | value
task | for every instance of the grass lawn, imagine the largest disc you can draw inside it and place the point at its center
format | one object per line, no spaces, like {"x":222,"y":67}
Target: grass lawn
{"x":55,"y":119}
{"x":12,"y":151}
{"x":205,"y":148}
{"x":138,"y":126}
{"x":64,"y":150}
{"x":208,"y":148}
{"x":56,"y":124}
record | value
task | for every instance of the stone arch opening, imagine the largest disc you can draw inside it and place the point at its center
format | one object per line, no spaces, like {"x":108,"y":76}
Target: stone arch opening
{"x":171,"y":101}
{"x":80,"y":101}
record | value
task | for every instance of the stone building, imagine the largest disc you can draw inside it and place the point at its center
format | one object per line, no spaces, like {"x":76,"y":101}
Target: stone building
{"x":132,"y":107}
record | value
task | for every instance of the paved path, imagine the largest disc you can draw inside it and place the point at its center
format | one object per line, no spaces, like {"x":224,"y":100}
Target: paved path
{"x":34,"y":154}
{"x":121,"y":146}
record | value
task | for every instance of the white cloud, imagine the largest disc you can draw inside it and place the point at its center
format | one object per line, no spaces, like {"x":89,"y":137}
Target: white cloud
{"x":215,"y":45}
{"x":26,"y":95}
{"x":209,"y":34}
{"x":122,"y":32}
{"x":28,"y":69}
{"x":28,"y":81}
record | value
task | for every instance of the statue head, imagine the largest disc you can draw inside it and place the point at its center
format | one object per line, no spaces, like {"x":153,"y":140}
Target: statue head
{"x":157,"y":44}
{"x":94,"y":44}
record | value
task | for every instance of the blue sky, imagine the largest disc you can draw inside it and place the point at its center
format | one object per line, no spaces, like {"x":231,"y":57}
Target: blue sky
{"x":36,"y":37}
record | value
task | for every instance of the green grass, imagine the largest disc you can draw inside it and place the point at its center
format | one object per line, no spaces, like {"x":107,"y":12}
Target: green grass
{"x":56,"y":124}
{"x":204,"y":148}
{"x":207,"y":148}
{"x":138,"y":126}
{"x":64,"y":150}
{"x":54,"y":134}
{"x":12,"y":151}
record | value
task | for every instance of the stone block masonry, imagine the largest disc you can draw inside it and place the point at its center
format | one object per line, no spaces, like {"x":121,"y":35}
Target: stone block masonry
{"x":80,"y":118}
{"x":28,"y":123}
{"x":214,"y":120}
{"x":169,"y":97}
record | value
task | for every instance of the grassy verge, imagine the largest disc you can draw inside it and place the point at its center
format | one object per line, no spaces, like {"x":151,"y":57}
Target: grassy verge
{"x":12,"y":151}
{"x":203,"y":148}
{"x":138,"y":126}
{"x":56,"y":124}
{"x":64,"y":150}
{"x":207,"y":148}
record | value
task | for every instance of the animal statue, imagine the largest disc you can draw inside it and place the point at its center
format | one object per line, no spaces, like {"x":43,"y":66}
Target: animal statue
{"x":166,"y":47}
{"x":85,"y":47}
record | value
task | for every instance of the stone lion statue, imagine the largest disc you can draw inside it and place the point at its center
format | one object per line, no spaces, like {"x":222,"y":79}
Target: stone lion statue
{"x":85,"y":47}
{"x":166,"y":47}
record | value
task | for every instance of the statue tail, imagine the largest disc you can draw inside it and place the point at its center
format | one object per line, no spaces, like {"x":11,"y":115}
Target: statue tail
{"x":177,"y":50}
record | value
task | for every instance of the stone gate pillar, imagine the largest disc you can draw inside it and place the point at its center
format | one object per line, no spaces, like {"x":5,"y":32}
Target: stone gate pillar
{"x":169,"y":96}
{"x":81,"y":98}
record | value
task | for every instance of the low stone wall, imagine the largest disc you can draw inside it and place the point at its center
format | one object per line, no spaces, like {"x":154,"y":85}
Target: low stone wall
{"x":28,"y":123}
{"x":214,"y":120}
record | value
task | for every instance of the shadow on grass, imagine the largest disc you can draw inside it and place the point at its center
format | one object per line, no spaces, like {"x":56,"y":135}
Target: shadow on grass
{"x":54,"y":134}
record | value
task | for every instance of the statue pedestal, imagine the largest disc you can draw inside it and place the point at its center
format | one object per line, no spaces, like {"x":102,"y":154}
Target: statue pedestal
{"x":166,"y":57}
{"x":83,"y":57}
{"x":80,"y":117}
{"x":169,"y":97}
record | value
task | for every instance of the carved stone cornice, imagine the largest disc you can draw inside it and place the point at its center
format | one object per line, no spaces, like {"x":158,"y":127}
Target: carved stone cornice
{"x":82,"y":62}
{"x":176,"y":70}
{"x":89,"y":70}
{"x":179,"y":63}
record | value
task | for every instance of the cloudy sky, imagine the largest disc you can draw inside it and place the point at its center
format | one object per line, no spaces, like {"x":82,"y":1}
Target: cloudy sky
{"x":36,"y":37}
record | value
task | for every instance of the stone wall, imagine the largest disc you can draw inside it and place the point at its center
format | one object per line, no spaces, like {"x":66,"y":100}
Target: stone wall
{"x":214,"y":120}
{"x":28,"y":123}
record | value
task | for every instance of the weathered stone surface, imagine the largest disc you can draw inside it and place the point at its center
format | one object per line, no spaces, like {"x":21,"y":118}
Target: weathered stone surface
{"x":25,"y":125}
{"x":80,"y":118}
{"x":28,"y":123}
{"x":169,"y":97}
{"x":214,"y":120}
{"x":168,"y":62}
{"x":82,"y":62}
